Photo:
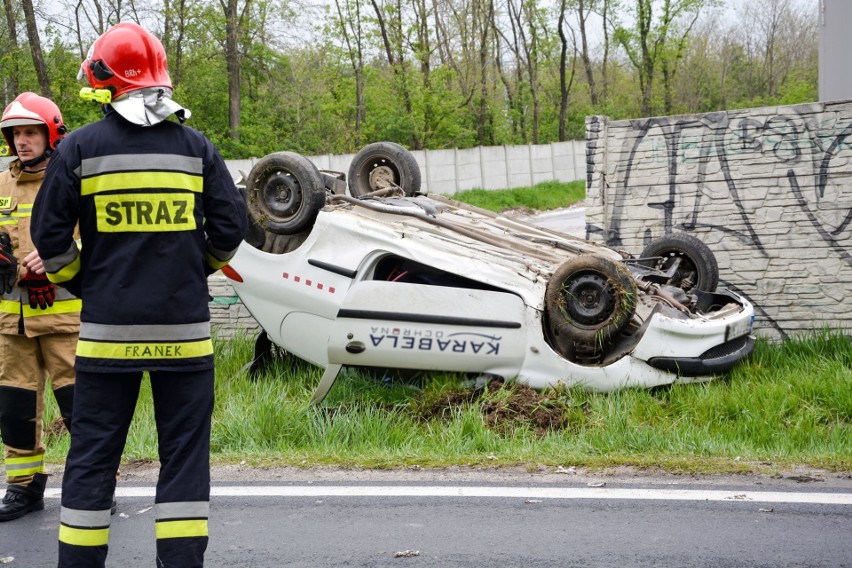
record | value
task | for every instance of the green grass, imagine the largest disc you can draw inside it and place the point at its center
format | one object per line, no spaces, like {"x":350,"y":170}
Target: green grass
{"x":789,"y":404}
{"x":541,"y":197}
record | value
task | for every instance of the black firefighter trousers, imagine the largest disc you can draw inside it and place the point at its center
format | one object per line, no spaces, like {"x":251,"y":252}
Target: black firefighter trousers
{"x":103,"y":409}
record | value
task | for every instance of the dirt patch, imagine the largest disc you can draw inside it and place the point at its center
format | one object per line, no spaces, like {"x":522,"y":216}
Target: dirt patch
{"x":504,"y":408}
{"x":444,"y":405}
{"x":519,"y":405}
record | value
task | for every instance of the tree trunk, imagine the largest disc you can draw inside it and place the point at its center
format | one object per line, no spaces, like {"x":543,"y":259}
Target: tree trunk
{"x":393,"y":50}
{"x":605,"y":62}
{"x":517,"y":50}
{"x":232,"y":60}
{"x":582,"y":14}
{"x":97,"y":21}
{"x":531,"y":50}
{"x":356,"y":56}
{"x":175,"y":15}
{"x":423,"y":52}
{"x":12,"y":79}
{"x":646,"y":67}
{"x":35,"y":47}
{"x":483,"y":21}
{"x":564,"y":83}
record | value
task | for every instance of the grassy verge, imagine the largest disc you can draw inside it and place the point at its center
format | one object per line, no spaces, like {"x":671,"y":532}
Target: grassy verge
{"x":789,"y":404}
{"x":541,"y":197}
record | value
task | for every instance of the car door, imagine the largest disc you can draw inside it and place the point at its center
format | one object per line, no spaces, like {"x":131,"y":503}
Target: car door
{"x":417,"y":326}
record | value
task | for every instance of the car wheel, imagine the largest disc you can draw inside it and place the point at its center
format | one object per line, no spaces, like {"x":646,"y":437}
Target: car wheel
{"x":588,"y":300}
{"x":697,"y":268}
{"x":383,"y":165}
{"x":284,"y":193}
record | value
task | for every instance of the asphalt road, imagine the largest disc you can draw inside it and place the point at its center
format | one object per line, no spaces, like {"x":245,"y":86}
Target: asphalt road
{"x":574,"y":523}
{"x":571,"y":220}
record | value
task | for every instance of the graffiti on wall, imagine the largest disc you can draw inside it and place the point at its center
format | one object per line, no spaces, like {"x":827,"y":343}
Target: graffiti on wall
{"x":740,"y":153}
{"x":776,"y":181}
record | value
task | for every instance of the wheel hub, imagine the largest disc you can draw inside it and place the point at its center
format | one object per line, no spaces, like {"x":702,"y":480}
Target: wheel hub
{"x":282,"y":194}
{"x":381,"y":178}
{"x":589,"y":299}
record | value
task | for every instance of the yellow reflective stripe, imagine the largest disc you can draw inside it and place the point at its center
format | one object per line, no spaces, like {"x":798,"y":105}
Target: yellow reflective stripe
{"x":83,"y":537}
{"x":145,"y":212}
{"x":181,"y":529}
{"x":141,"y":180}
{"x":17,"y":460}
{"x":214,"y":262}
{"x":58,"y":307}
{"x":10,"y":307}
{"x":66,"y":273}
{"x":27,"y":465}
{"x":25,"y":210}
{"x":163,"y":350}
{"x":13,"y":220}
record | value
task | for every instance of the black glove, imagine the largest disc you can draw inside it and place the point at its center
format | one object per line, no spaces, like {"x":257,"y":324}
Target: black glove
{"x":40,"y":290}
{"x":8,"y":265}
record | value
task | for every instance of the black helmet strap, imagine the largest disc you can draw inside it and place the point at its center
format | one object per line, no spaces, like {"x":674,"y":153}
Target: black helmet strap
{"x":36,"y":161}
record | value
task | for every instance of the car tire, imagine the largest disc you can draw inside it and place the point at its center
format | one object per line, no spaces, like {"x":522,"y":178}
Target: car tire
{"x":284,"y":193}
{"x":255,"y":235}
{"x":382,"y":165}
{"x":588,"y":300}
{"x":698,"y":267}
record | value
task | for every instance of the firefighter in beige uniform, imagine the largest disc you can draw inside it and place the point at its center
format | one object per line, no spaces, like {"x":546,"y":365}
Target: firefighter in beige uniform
{"x":39,"y":324}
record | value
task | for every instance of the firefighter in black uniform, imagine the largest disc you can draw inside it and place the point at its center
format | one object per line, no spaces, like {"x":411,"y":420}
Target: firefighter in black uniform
{"x":158,"y":212}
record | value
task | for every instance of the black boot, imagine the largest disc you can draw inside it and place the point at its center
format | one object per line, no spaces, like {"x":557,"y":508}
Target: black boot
{"x":23,"y":499}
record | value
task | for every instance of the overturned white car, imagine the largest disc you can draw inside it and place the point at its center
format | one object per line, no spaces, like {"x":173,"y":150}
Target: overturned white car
{"x":385,"y":277}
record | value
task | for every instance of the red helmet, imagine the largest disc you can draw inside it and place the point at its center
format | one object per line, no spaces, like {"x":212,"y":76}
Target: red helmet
{"x":30,"y":108}
{"x":125,"y":58}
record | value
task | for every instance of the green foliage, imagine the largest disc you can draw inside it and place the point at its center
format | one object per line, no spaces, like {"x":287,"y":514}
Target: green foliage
{"x":797,"y":89}
{"x":541,"y":197}
{"x":300,"y":95}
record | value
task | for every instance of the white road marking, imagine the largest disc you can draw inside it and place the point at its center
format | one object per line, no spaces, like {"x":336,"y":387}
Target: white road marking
{"x":504,"y":492}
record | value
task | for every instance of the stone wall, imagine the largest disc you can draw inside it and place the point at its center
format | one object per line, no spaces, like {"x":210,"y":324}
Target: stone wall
{"x":227,"y":314}
{"x":768,"y":189}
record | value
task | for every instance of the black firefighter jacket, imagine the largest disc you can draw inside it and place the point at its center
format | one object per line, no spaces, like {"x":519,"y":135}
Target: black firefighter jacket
{"x":158,"y":211}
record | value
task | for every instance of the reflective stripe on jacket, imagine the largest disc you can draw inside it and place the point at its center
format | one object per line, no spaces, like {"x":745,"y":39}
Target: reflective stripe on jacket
{"x":157,"y":208}
{"x":18,"y":190}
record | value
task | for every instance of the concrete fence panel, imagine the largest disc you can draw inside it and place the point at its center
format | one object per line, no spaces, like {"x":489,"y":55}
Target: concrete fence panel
{"x":519,"y":165}
{"x":439,"y":171}
{"x":495,"y":171}
{"x":468,"y":169}
{"x":564,"y":158}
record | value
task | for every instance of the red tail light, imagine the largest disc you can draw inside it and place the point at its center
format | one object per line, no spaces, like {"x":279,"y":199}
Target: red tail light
{"x":231,"y":273}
